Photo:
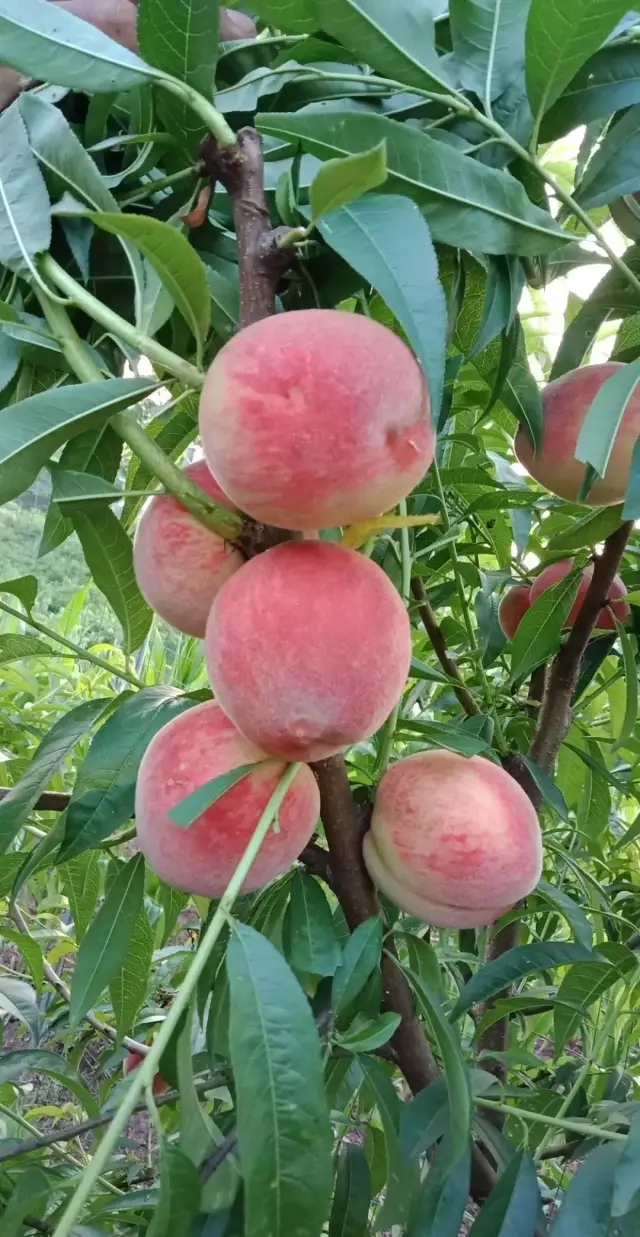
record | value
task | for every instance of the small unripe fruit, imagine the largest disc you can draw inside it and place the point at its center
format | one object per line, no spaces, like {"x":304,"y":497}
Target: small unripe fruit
{"x":565,"y":403}
{"x":605,"y":620}
{"x":180,"y":565}
{"x":316,"y":418}
{"x":513,"y":607}
{"x":453,"y":841}
{"x":192,"y":749}
{"x":308,"y":649}
{"x":132,"y":1061}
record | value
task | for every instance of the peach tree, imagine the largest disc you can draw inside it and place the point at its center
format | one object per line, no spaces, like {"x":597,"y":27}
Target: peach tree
{"x":320,"y":337}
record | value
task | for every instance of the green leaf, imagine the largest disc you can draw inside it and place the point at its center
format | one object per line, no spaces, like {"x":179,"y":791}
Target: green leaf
{"x":173,"y":902}
{"x":193,"y":805}
{"x":538,"y":634}
{"x":31,"y":1194}
{"x":108,"y":551}
{"x":294,"y":16}
{"x":455,"y":1070}
{"x":514,"y":965}
{"x":25,"y":212}
{"x":626,"y":1179}
{"x":586,"y":1206}
{"x":53,"y":45}
{"x":608,"y":82}
{"x":440,"y":1209}
{"x":401,"y":1177}
{"x":559,"y":38}
{"x":614,"y":169}
{"x":51,"y":753}
{"x":18,"y":1000}
{"x":81,"y":487}
{"x":36,"y":1060}
{"x":30,"y":950}
{"x":340,"y":181}
{"x":395,"y":40}
{"x":368,"y":1037}
{"x":352,"y":1198}
{"x":601,"y":423}
{"x":81,"y":883}
{"x":128,"y":988}
{"x":631,"y":684}
{"x":310,"y":933}
{"x":10,"y":360}
{"x":424,"y":1119}
{"x":631,"y":509}
{"x":360,"y":956}
{"x":33,"y":429}
{"x":181,"y":38}
{"x":284,"y":1145}
{"x":97,"y":452}
{"x":594,"y":806}
{"x":385,"y":239}
{"x":548,"y":789}
{"x":173,"y":259}
{"x":25,"y":588}
{"x":107,"y":942}
{"x":514,"y":1204}
{"x":588,"y":531}
{"x":180,"y":1190}
{"x":15,"y":647}
{"x":572,"y":912}
{"x":462,"y":200}
{"x":103,"y":796}
{"x":488,"y":43}
{"x":584,"y":984}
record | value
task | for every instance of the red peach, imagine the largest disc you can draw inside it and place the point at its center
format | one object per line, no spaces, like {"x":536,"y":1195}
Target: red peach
{"x":316,"y":418}
{"x":454,"y":841}
{"x":180,"y":565}
{"x":308,"y":649}
{"x":190,"y":750}
{"x":132,"y":1061}
{"x":513,"y":607}
{"x":604,"y":622}
{"x":565,"y":403}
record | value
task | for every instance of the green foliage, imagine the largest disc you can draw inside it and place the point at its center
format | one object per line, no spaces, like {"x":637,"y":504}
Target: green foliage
{"x":420,"y":162}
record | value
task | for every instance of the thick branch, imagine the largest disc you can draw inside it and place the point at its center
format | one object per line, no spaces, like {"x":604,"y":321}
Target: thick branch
{"x":439,"y":647}
{"x":555,"y":714}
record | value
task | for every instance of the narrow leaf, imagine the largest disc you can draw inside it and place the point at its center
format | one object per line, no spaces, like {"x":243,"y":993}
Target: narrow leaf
{"x":108,"y":551}
{"x":538,"y":634}
{"x":193,"y":805}
{"x":128,"y":988}
{"x":514,"y":965}
{"x":25,"y":212}
{"x":340,"y":181}
{"x":352,"y":1198}
{"x":559,"y":39}
{"x":310,"y":933}
{"x":106,"y":944}
{"x":514,"y":1204}
{"x":361,"y":954}
{"x":602,"y":421}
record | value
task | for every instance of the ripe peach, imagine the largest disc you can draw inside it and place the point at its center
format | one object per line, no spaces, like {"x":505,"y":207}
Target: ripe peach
{"x":180,"y":565}
{"x":454,"y":841}
{"x":557,"y":571}
{"x":565,"y":403}
{"x":132,"y":1061}
{"x":512,"y":609}
{"x":308,"y":649}
{"x":190,"y":750}
{"x":316,"y":418}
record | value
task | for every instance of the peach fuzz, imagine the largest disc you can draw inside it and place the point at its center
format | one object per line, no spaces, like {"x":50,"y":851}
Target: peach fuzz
{"x":180,"y":565}
{"x":190,"y":750}
{"x":513,"y":607}
{"x":316,"y":418}
{"x":308,"y":649}
{"x":565,"y":403}
{"x":604,"y":622}
{"x":132,"y":1061}
{"x":453,"y":841}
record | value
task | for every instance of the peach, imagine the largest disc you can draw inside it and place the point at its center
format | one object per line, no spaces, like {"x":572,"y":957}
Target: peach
{"x":190,"y":750}
{"x":308,"y":649}
{"x":132,"y":1061}
{"x":604,"y":622}
{"x":513,"y":607}
{"x":454,"y":841}
{"x":316,"y":418}
{"x":565,"y":403}
{"x":180,"y":565}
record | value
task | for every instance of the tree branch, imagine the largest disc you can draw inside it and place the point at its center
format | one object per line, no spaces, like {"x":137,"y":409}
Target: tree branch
{"x":432,"y":628}
{"x":555,"y":714}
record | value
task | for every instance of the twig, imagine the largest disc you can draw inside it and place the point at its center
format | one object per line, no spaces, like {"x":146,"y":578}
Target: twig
{"x":227,"y":1146}
{"x":555,"y":714}
{"x":50,"y":801}
{"x":68,"y":1133}
{"x":432,"y":628}
{"x":134,"y":1045}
